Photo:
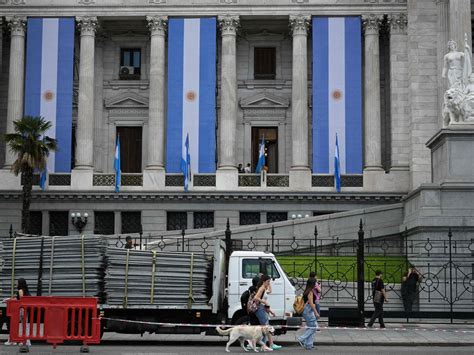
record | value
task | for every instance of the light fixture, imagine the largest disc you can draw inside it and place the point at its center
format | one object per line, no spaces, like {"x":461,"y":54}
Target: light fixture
{"x":78,"y":221}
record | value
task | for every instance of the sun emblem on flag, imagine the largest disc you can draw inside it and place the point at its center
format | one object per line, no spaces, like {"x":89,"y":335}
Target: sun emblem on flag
{"x":336,"y":94}
{"x":48,"y":95}
{"x":191,"y":95}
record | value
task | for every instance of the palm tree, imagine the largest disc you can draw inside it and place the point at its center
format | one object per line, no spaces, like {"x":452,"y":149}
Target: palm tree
{"x":32,"y":148}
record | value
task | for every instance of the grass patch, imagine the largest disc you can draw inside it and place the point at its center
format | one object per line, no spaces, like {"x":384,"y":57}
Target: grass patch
{"x":344,"y":267}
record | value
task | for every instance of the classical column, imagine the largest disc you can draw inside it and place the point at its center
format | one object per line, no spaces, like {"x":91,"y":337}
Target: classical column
{"x":399,"y":109}
{"x":16,"y":79}
{"x":85,"y":116}
{"x":228,"y":115}
{"x":100,"y":136}
{"x":299,"y":102}
{"x":1,"y":45}
{"x":372,"y":136}
{"x":460,"y":22}
{"x":156,"y":112}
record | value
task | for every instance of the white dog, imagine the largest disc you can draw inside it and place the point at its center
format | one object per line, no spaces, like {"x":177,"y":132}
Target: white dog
{"x":253,"y":334}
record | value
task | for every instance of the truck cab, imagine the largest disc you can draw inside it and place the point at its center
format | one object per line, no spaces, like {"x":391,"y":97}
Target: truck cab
{"x":242,"y":268}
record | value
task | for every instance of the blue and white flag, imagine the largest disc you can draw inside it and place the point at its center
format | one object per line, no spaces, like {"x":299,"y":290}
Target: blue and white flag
{"x":337,"y":168}
{"x":118,"y":170}
{"x":191,"y":93}
{"x":261,"y":157}
{"x":49,"y":81}
{"x":43,"y":177}
{"x":186,"y":164}
{"x":337,"y":94}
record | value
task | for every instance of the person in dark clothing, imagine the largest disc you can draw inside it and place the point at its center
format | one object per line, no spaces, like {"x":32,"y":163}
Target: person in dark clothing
{"x":245,"y":298}
{"x":404,"y":292}
{"x":411,"y":286}
{"x":379,"y":296}
{"x":128,"y":242}
{"x":22,"y":290}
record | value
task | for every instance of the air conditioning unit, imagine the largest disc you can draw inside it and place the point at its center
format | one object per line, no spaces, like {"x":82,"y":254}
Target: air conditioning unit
{"x":125,"y":70}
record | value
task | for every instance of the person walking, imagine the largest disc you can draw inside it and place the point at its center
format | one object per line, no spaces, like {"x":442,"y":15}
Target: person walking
{"x":316,"y":291}
{"x":310,"y":315}
{"x":264,"y":310}
{"x":379,"y":296}
{"x":413,"y":277}
{"x":22,"y":290}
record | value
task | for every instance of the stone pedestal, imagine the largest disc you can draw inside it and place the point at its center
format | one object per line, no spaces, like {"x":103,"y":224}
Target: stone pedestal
{"x":9,"y":180}
{"x":452,"y":159}
{"x":227,"y":179}
{"x":81,"y":179}
{"x":154,"y":179}
{"x":379,"y":181}
{"x":300,"y":179}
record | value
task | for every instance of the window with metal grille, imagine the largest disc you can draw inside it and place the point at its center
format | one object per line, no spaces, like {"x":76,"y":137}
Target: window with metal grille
{"x":264,"y":63}
{"x":247,"y":218}
{"x":36,"y":223}
{"x":130,"y":63}
{"x":176,"y":221}
{"x":58,"y":223}
{"x":104,"y":222}
{"x":273,"y":217}
{"x":131,"y":222}
{"x":203,"y":220}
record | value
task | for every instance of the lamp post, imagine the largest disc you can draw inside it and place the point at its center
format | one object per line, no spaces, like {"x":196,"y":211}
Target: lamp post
{"x":79,"y":221}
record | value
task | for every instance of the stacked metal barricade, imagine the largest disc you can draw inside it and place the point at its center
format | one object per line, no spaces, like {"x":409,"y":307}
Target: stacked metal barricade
{"x":135,"y":277}
{"x":58,"y":266}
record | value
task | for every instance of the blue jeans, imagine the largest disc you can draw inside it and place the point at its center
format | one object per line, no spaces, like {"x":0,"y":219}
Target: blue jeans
{"x":307,"y":338}
{"x":262,"y":316}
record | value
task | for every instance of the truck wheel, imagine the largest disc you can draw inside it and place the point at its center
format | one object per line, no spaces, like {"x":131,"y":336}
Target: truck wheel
{"x":243,"y":320}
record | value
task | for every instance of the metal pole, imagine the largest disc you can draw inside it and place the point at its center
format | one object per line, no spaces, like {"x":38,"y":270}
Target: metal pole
{"x":360,"y":274}
{"x":316,"y":249}
{"x":228,"y":241}
{"x":450,"y":235}
{"x":273,"y":239}
{"x":183,"y":233}
{"x":141,"y":235}
{"x":11,"y":231}
{"x":406,"y":261}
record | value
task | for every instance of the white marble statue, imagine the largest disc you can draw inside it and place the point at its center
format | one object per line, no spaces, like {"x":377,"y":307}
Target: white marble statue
{"x":459,"y":98}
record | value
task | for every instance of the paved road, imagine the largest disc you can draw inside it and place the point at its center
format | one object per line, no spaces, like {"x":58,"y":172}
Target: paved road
{"x":219,"y":349}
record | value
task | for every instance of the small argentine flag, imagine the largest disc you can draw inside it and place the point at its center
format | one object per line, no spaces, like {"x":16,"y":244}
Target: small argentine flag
{"x":337,"y":168}
{"x":118,"y":171}
{"x":261,"y":157}
{"x":186,"y":163}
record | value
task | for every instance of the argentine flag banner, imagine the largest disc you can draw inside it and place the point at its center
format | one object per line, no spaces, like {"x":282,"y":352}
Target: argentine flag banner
{"x":191,"y":93}
{"x":49,"y":80}
{"x":337,"y":94}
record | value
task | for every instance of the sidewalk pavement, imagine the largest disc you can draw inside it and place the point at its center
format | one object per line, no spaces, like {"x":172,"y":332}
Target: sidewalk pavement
{"x":396,"y":334}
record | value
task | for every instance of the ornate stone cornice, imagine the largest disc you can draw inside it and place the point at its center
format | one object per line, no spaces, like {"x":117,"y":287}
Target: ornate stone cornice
{"x":87,"y":25}
{"x":398,"y":23}
{"x":157,"y":24}
{"x":17,"y":25}
{"x":300,"y":24}
{"x":229,"y":24}
{"x":371,"y":23}
{"x":13,"y":2}
{"x":86,"y":2}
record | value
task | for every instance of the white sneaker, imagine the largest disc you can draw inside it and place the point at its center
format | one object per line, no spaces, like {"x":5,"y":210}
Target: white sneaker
{"x":9,"y":343}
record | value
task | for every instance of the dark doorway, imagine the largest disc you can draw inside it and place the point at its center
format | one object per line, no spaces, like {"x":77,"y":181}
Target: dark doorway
{"x":130,"y":149}
{"x":270,"y":134}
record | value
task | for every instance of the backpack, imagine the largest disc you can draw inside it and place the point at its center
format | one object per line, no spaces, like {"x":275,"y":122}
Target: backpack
{"x":298,"y":304}
{"x":252,"y":304}
{"x":244,"y":299}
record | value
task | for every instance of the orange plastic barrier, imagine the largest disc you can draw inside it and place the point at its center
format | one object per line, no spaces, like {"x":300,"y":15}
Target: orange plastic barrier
{"x":54,"y":319}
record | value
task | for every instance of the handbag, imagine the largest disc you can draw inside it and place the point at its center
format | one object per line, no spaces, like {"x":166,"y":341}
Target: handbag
{"x":377,"y":294}
{"x":252,"y":304}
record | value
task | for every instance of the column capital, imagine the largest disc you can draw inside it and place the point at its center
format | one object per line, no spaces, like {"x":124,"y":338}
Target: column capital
{"x":299,"y":24}
{"x":87,"y":25}
{"x":17,"y":25}
{"x":398,"y":23}
{"x":371,"y":23}
{"x":157,"y":24}
{"x":229,"y":24}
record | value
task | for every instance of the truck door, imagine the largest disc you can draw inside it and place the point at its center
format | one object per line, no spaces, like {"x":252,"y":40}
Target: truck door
{"x":251,"y":267}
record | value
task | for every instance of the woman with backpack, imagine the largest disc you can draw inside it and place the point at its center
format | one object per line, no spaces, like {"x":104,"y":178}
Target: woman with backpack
{"x":264,"y":309}
{"x":310,"y":315}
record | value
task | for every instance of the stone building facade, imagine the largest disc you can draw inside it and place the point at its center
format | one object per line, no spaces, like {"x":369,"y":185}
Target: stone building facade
{"x":403,"y":43}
